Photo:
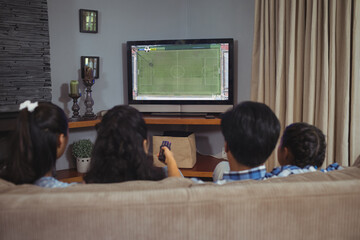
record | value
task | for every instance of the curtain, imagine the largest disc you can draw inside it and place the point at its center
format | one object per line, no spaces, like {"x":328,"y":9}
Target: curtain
{"x":305,"y":66}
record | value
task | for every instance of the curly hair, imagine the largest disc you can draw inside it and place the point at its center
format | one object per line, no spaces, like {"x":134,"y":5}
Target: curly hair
{"x":118,"y":153}
{"x":33,"y":146}
{"x":251,"y":130}
{"x":306,"y":144}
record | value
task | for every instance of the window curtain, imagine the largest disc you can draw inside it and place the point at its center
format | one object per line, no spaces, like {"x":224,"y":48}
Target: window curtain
{"x":306,"y":67}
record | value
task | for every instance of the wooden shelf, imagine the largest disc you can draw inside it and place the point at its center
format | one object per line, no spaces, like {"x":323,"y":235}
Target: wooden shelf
{"x":81,"y":124}
{"x":69,"y":175}
{"x":151,"y":120}
{"x":176,"y":120}
{"x":203,"y":168}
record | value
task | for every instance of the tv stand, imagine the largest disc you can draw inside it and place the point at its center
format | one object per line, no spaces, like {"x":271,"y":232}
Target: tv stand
{"x":159,"y":120}
{"x":185,"y":114}
{"x":203,"y":168}
{"x":182,"y":120}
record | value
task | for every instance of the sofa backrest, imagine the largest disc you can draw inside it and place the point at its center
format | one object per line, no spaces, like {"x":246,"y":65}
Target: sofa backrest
{"x":312,"y":207}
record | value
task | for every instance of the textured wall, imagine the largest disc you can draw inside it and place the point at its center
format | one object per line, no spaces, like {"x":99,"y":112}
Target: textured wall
{"x":24,"y":52}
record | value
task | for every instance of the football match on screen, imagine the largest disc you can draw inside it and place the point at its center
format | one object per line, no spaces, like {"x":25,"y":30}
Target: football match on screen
{"x":184,"y":70}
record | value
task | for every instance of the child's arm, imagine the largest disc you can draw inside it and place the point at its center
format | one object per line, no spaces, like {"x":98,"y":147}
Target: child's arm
{"x":173,"y":170}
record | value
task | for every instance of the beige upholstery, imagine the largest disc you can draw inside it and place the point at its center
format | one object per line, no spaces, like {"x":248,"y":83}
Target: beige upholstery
{"x":307,"y":206}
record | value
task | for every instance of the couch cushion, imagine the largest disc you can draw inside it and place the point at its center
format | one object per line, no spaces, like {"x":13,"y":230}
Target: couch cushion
{"x":5,"y":184}
{"x":294,"y":210}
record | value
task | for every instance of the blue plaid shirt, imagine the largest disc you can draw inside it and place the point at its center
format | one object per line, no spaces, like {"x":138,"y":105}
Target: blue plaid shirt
{"x":287,"y":170}
{"x":259,"y":173}
{"x":256,"y":173}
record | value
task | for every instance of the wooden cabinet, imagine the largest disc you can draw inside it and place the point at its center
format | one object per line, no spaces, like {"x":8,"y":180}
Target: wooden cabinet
{"x":203,"y":168}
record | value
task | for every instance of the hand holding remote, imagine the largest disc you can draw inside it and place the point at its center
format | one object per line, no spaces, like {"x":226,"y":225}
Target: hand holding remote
{"x":161,"y":153}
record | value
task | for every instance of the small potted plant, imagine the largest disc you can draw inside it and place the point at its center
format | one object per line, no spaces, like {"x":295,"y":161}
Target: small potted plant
{"x":81,"y":150}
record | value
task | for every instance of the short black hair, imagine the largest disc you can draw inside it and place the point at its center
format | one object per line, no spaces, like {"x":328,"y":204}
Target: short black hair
{"x":118,"y":153}
{"x":251,"y":130}
{"x":306,"y":143}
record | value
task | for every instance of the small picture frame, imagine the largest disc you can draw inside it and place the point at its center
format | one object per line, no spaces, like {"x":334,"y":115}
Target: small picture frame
{"x":90,"y":67}
{"x":88,"y":21}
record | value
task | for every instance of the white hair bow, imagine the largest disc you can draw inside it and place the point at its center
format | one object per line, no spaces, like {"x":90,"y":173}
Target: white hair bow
{"x":30,"y":106}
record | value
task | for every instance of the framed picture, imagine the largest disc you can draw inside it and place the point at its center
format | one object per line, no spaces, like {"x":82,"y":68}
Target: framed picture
{"x":90,"y":67}
{"x":88,"y":21}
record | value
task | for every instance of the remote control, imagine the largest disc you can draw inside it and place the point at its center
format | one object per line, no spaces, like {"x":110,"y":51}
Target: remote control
{"x":161,"y":153}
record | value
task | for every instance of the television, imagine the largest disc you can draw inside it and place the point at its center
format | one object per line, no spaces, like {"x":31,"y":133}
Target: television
{"x":188,"y":76}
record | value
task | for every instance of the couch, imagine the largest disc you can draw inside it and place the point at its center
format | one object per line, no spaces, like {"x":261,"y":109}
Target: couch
{"x":305,"y":206}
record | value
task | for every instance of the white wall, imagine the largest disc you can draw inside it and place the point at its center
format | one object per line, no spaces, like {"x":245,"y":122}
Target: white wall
{"x":124,"y":20}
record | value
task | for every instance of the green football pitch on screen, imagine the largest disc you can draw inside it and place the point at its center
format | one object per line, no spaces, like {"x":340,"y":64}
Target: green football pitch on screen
{"x":179,"y":73}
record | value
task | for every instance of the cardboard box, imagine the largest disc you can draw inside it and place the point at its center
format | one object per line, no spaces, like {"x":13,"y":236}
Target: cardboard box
{"x":183,"y":147}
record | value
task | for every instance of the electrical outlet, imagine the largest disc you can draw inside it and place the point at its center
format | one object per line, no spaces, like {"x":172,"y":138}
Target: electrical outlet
{"x":223,"y":153}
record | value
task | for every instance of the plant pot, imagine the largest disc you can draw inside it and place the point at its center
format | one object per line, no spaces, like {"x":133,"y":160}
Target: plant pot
{"x":83,"y":164}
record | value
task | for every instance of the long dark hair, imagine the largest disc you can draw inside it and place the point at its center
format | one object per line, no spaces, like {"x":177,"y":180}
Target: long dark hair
{"x":118,"y":153}
{"x":306,"y":143}
{"x":33,"y":145}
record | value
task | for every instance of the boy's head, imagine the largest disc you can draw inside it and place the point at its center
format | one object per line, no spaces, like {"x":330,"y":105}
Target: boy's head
{"x":251,"y":131}
{"x":302,"y":144}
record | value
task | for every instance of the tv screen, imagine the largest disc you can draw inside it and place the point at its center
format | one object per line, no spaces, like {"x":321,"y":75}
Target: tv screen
{"x":192,"y":75}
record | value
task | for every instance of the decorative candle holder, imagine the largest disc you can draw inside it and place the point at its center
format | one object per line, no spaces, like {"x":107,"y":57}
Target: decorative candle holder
{"x":89,"y":102}
{"x":76,"y":116}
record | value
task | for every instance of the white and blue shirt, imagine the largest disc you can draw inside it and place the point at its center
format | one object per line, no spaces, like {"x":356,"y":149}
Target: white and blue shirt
{"x":50,"y":182}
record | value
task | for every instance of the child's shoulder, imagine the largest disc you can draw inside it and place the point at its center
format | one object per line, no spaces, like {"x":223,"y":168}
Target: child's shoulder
{"x":50,"y":182}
